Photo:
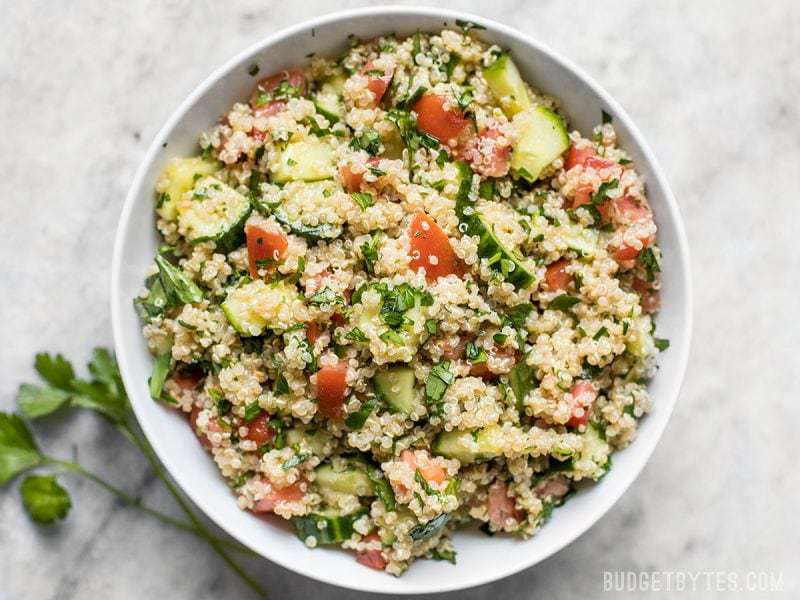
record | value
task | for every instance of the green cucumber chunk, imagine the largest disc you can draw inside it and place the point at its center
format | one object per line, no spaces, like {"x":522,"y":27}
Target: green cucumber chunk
{"x":542,"y":137}
{"x":469,"y":446}
{"x":395,"y":385}
{"x":326,"y":526}
{"x":178,"y":178}
{"x":352,"y":480}
{"x":310,"y":159}
{"x":254,"y":306}
{"x":507,"y":85}
{"x":218,"y":213}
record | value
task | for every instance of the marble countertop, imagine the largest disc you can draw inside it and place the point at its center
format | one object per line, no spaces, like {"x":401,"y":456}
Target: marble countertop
{"x":714,"y":86}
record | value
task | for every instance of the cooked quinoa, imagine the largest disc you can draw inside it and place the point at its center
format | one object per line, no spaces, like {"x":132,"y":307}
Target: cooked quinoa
{"x":397,"y":297}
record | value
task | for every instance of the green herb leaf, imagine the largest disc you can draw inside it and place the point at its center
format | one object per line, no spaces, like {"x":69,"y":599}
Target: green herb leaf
{"x":326,"y":296}
{"x":661,"y":343}
{"x":466,"y":26}
{"x":356,"y":335}
{"x":600,"y":333}
{"x":55,"y":370}
{"x":364,"y":200}
{"x":159,"y":376}
{"x":95,"y":396}
{"x":177,"y":286}
{"x":439,"y":379}
{"x":294,"y":460}
{"x":35,"y":401}
{"x":104,"y":368}
{"x":357,"y":419}
{"x":448,"y":555}
{"x":431,"y":528}
{"x":647,"y":258}
{"x":563,"y":302}
{"x":522,"y":381}
{"x":390,"y":336}
{"x":251,"y":411}
{"x":281,"y":386}
{"x":18,"y":451}
{"x":44,"y":499}
{"x":607,"y":118}
{"x":368,"y":140}
{"x":431,"y":326}
{"x":475,"y":354}
{"x":382,"y":488}
{"x":517,"y":315}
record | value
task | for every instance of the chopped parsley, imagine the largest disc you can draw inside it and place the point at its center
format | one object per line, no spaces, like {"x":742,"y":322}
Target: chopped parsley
{"x":661,"y":343}
{"x":647,"y":258}
{"x":564,"y":302}
{"x":357,"y":419}
{"x":368,"y":140}
{"x":364,"y":200}
{"x":439,"y":379}
{"x":467,"y":26}
{"x":356,"y":335}
{"x":475,"y":354}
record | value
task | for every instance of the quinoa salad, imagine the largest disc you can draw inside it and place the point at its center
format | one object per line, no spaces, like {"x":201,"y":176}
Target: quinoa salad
{"x":397,"y":296}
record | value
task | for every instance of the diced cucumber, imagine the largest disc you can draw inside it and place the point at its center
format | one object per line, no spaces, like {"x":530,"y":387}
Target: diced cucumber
{"x":582,"y":240}
{"x":178,"y":178}
{"x":541,"y":138}
{"x":352,"y":480}
{"x":470,"y":446}
{"x":395,"y":385}
{"x":328,"y":100}
{"x":327,"y":526}
{"x":317,"y":441}
{"x":253,"y":307}
{"x":218,"y":213}
{"x":639,"y":342}
{"x":595,"y":449}
{"x":507,"y":85}
{"x":310,"y":159}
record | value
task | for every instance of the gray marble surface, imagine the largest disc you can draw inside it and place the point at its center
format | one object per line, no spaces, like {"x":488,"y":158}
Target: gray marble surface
{"x":713,"y":85}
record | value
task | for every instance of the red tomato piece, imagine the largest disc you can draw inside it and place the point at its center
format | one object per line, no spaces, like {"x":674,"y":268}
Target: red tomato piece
{"x":586,"y":157}
{"x":292,"y":77}
{"x":374,"y":559}
{"x":276,"y":496}
{"x":313,"y":331}
{"x":211,"y":427}
{"x":353,"y":181}
{"x":489,"y":153}
{"x":432,"y":118}
{"x":482,"y":369}
{"x":187,"y":379}
{"x":431,"y":471}
{"x":583,"y":195}
{"x":377,"y":84}
{"x":556,"y":275}
{"x":651,"y":299}
{"x":259,"y":430}
{"x":263,"y":245}
{"x":583,"y":394}
{"x":502,"y":506}
{"x":631,"y":210}
{"x":431,"y":249}
{"x":332,"y":390}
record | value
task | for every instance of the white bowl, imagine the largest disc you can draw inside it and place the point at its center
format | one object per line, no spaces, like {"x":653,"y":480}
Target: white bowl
{"x":480,"y":559}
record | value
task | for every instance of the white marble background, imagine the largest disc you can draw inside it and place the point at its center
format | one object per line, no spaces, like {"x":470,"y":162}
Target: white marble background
{"x":713,"y":85}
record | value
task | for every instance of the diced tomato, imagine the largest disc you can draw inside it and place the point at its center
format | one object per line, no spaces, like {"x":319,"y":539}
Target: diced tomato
{"x":502,"y":506}
{"x":627,"y":253}
{"x":486,"y":154}
{"x":338,"y":319}
{"x":453,"y":349}
{"x":259,"y":431}
{"x":583,"y":195}
{"x":377,"y":84}
{"x":586,"y":157}
{"x":431,"y":472}
{"x":313,"y":331}
{"x":293,"y":77}
{"x":632,"y":210}
{"x":187,"y":379}
{"x":373,"y":559}
{"x":263,"y":245}
{"x":351,"y":180}
{"x":651,"y":299}
{"x":554,"y":487}
{"x":432,"y":118}
{"x":482,"y":369}
{"x":332,"y":389}
{"x":276,"y":496}
{"x":583,"y":394}
{"x":211,"y":427}
{"x":556,"y":275}
{"x":431,"y":249}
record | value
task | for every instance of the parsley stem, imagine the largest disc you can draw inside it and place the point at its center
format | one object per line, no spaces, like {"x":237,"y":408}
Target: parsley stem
{"x":143,"y":445}
{"x":74,"y":467}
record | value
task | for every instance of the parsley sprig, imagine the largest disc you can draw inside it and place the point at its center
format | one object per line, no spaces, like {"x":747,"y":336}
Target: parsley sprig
{"x":44,"y":498}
